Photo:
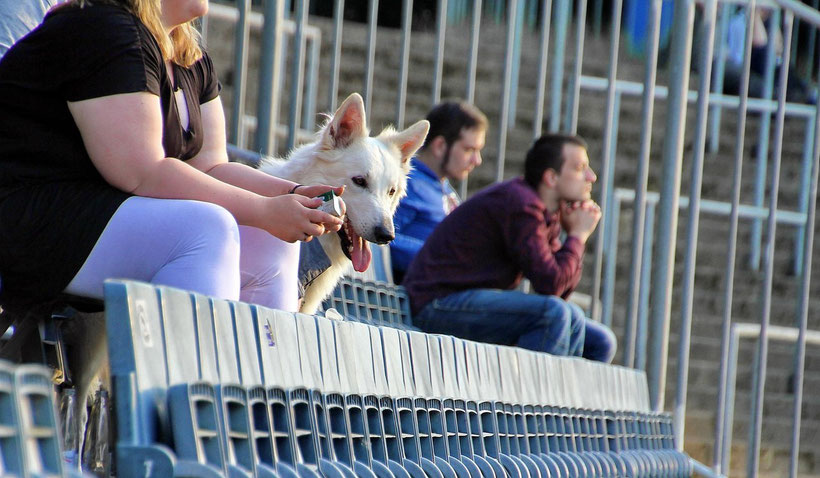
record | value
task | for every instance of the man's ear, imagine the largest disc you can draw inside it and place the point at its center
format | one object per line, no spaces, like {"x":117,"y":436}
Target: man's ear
{"x":550,"y":177}
{"x":347,"y":125}
{"x":438,"y":146}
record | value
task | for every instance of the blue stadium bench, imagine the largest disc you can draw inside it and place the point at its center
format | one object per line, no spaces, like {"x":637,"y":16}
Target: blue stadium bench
{"x":29,"y":441}
{"x":206,"y":387}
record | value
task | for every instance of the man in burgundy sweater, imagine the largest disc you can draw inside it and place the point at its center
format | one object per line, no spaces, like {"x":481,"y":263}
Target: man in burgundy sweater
{"x":461,"y":282}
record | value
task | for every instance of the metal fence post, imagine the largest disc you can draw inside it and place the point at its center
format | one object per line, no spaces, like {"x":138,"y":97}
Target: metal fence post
{"x":670,"y":192}
{"x":641,"y":180}
{"x":372,"y":23}
{"x":240,"y":66}
{"x":805,"y":292}
{"x":693,"y":220}
{"x":731,"y":255}
{"x":297,"y":73}
{"x":406,"y":29}
{"x":763,"y":152}
{"x":560,"y":20}
{"x":267,"y":110}
{"x":756,"y":422}
{"x":505,"y":90}
{"x":608,"y":153}
{"x":336,"y":55}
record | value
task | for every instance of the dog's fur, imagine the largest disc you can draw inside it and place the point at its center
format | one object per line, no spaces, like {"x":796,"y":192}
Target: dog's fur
{"x":344,"y":154}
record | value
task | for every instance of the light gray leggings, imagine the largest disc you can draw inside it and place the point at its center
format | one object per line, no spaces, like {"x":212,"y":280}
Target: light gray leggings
{"x":195,"y":246}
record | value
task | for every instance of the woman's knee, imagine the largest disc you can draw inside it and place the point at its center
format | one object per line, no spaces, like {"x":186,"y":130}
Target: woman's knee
{"x":213,"y":220}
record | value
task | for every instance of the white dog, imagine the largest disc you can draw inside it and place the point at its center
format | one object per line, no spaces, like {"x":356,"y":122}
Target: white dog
{"x":375,"y":173}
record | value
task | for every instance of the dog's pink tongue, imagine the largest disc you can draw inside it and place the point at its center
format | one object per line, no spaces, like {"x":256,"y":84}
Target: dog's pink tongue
{"x":360,"y":256}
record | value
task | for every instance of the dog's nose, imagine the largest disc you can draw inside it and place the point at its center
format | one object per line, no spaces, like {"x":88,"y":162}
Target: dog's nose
{"x":383,"y":235}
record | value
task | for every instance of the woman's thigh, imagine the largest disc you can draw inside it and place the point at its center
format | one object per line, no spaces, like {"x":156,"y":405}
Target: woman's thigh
{"x":192,"y":245}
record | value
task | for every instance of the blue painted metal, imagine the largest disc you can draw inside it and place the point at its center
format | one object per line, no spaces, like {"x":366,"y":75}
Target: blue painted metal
{"x":664,"y":257}
{"x":731,"y":255}
{"x":641,"y":180}
{"x":756,"y":418}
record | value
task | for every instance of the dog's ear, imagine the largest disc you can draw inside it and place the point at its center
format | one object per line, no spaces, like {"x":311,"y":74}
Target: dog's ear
{"x":411,"y":139}
{"x":347,"y":124}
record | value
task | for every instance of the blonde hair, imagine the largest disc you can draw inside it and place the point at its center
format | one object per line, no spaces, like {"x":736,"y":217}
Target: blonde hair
{"x":181,"y":47}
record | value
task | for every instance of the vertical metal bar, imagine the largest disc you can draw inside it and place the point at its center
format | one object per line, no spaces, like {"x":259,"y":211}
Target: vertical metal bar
{"x":805,"y":176}
{"x":718,"y":74}
{"x":575,"y":91}
{"x":441,"y":30}
{"x":646,"y":280}
{"x":729,"y":412}
{"x":795,"y":30}
{"x":763,"y":151}
{"x":541,"y":85}
{"x":505,"y":90}
{"x":297,"y":72}
{"x":472,"y":64}
{"x":267,"y":110}
{"x":336,"y":55}
{"x":805,"y":292}
{"x":731,"y":253}
{"x":609,"y":272}
{"x":406,"y":28}
{"x":240,"y":67}
{"x":680,"y":49}
{"x":641,"y":180}
{"x":516,"y":53}
{"x":372,"y":23}
{"x":611,"y":218}
{"x":311,"y":79}
{"x":608,"y":156}
{"x":597,"y":18}
{"x":693,"y":221}
{"x":561,"y":13}
{"x":757,"y":410}
{"x":810,"y":56}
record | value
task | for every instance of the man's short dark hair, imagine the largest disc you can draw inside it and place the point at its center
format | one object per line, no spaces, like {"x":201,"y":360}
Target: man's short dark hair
{"x":448,"y":118}
{"x":547,"y":153}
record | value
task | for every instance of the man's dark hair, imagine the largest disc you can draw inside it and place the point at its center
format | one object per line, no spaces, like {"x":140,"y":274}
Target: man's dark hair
{"x":547,"y":153}
{"x":448,"y":118}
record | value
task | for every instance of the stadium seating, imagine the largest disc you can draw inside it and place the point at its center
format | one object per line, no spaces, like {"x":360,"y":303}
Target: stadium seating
{"x":206,"y":387}
{"x":29,"y":441}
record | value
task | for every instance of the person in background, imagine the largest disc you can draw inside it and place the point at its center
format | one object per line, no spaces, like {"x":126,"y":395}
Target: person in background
{"x":764,"y":31}
{"x":461,"y":281}
{"x":113,"y":163}
{"x":450,"y":152}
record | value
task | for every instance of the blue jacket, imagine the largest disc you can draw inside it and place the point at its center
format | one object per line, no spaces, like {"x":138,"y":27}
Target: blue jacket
{"x":427,"y":202}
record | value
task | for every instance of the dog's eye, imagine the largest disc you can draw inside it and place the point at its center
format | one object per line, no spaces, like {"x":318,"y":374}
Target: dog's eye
{"x":392,"y":192}
{"x":360,"y":181}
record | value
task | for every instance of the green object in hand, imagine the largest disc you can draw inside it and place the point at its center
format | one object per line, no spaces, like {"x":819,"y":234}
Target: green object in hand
{"x":331,"y":203}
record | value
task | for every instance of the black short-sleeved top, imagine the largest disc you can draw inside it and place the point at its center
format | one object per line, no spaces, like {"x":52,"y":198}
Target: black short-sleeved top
{"x":53,"y":203}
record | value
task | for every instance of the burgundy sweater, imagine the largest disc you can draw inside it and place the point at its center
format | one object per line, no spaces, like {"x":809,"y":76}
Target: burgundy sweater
{"x":491,"y":241}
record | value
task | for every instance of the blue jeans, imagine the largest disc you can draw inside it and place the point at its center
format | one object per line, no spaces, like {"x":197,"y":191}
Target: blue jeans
{"x":543,"y":323}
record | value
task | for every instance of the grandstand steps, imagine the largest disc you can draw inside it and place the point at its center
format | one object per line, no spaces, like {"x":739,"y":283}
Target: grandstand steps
{"x":774,"y":457}
{"x":717,"y":185}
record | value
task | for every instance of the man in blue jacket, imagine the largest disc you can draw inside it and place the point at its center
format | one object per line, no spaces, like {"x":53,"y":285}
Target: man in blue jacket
{"x":452,"y":149}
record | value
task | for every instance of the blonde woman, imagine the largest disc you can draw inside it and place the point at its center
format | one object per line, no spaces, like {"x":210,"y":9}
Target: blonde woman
{"x":113,"y":164}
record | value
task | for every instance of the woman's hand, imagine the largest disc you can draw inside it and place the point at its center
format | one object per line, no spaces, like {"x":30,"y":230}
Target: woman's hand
{"x":293,"y":217}
{"x":317,"y":190}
